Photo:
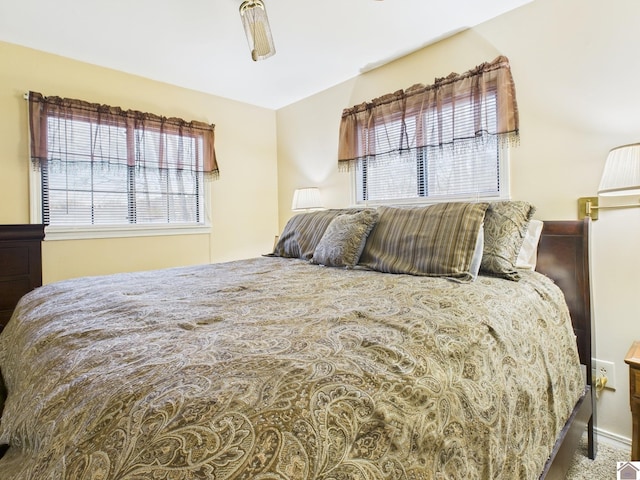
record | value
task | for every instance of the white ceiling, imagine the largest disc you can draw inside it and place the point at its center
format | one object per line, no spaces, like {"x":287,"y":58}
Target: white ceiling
{"x":200,"y":44}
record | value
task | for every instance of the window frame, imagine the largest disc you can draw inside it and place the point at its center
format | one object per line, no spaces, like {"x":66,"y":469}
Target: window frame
{"x":438,"y":130}
{"x":504,"y":155}
{"x":504,"y":193}
{"x":53,"y":232}
{"x":96,"y":231}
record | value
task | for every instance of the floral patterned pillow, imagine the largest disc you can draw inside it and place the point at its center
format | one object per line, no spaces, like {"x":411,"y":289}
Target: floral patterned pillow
{"x":343,"y":241}
{"x":302,"y":233}
{"x":505,"y":226}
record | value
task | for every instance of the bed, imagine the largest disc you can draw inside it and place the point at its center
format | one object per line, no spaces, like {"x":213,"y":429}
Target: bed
{"x":292,"y":366}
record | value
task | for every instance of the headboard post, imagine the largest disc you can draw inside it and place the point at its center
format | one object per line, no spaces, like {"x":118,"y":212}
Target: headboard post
{"x":564,"y":254}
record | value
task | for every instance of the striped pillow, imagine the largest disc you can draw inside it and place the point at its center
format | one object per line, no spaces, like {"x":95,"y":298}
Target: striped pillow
{"x":437,"y":240}
{"x":303,"y":232}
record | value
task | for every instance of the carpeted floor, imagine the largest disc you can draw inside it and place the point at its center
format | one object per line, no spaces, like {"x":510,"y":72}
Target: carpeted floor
{"x":602,"y":468}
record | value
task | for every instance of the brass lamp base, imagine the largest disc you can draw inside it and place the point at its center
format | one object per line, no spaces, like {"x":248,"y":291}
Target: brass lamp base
{"x":588,"y":207}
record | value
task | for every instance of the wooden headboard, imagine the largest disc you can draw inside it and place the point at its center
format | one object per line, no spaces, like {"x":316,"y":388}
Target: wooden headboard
{"x":564,"y":256}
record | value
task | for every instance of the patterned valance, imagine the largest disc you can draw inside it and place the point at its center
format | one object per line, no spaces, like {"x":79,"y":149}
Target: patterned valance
{"x":452,"y":112}
{"x":118,"y":136}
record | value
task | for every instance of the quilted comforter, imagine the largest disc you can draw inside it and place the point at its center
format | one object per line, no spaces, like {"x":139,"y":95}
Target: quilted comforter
{"x":276,"y":369}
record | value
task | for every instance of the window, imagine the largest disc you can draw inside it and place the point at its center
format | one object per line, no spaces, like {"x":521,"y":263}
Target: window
{"x":101,"y":169}
{"x":465,"y":172}
{"x":446,"y":141}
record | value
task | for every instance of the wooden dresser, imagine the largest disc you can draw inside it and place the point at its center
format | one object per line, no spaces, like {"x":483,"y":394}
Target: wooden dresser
{"x":633,"y":360}
{"x":20,"y":265}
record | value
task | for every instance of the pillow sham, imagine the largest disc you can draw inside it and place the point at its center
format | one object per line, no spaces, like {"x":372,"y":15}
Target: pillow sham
{"x":436,"y":240}
{"x":344,"y":239}
{"x":303,"y":231}
{"x":505,"y":226}
{"x":476,"y":260}
{"x":528,"y":255}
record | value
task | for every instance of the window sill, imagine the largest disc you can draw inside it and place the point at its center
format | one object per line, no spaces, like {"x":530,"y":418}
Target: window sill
{"x":83,"y":233}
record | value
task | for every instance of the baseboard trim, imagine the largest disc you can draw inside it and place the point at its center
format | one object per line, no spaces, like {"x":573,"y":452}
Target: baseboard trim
{"x":613,"y":439}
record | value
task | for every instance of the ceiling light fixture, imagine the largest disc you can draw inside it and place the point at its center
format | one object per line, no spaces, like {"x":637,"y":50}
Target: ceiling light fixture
{"x":256,"y":27}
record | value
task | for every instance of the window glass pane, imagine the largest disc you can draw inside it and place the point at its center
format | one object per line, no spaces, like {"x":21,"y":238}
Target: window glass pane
{"x":84,"y":193}
{"x":89,"y":179}
{"x":168,"y":196}
{"x":184,"y":196}
{"x":390,"y":177}
{"x":467,"y":169}
{"x":464,"y":173}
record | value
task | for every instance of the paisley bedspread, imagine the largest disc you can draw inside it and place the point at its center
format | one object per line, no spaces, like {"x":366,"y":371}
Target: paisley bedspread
{"x":276,"y":369}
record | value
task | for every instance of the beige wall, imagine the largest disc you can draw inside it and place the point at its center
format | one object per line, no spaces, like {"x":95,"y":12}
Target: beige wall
{"x":243,"y":200}
{"x":576,"y":72}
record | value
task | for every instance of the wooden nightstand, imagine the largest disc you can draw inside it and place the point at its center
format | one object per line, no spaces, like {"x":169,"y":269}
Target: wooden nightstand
{"x":633,"y":360}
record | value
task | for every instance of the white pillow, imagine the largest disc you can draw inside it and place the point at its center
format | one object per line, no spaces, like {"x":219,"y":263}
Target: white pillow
{"x":528,"y":255}
{"x":474,"y":268}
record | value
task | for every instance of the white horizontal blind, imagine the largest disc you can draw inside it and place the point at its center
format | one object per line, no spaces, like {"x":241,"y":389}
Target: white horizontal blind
{"x":109,"y":175}
{"x":469,"y":168}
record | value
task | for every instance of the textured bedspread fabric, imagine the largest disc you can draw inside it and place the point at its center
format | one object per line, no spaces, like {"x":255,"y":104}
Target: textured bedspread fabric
{"x":277,"y":369}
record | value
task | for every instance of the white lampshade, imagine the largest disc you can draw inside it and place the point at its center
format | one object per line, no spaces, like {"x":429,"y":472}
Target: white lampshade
{"x":306,"y":199}
{"x":621,"y":174}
